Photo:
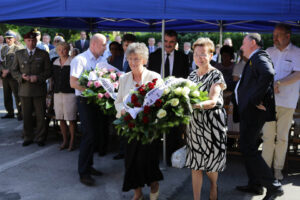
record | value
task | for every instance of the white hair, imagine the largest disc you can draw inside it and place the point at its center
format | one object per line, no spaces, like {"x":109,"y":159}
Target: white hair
{"x":139,"y":49}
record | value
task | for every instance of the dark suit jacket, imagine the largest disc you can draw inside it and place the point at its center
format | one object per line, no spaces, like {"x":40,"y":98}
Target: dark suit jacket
{"x":180,"y":66}
{"x":153,"y":50}
{"x":85,"y":47}
{"x":118,"y":63}
{"x":191,"y":58}
{"x":256,"y":86}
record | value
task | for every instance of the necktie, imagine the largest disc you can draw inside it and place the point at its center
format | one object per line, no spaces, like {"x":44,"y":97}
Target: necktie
{"x":125,"y":66}
{"x":167,"y":66}
{"x":30,"y":54}
{"x":82,"y":43}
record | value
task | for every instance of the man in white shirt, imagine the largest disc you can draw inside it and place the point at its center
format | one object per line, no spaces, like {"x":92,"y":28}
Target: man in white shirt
{"x":176,"y":64}
{"x":286,"y":60}
{"x":92,"y":120}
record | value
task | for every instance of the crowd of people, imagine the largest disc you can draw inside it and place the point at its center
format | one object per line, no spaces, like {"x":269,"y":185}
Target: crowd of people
{"x":263,"y":86}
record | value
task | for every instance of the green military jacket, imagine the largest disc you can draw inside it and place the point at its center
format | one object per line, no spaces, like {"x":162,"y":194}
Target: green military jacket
{"x":7,"y":56}
{"x":39,"y":65}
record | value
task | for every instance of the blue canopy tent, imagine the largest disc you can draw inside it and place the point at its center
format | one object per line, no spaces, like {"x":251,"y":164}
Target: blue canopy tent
{"x":146,"y":15}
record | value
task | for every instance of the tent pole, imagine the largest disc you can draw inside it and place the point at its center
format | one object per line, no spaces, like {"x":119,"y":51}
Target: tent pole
{"x":221,"y":33}
{"x":221,"y":39}
{"x":163,"y":75}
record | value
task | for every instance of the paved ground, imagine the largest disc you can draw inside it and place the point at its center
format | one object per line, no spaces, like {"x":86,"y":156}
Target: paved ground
{"x":35,"y":173}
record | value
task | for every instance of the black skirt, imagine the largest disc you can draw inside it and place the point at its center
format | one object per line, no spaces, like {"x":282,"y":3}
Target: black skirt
{"x":141,"y":165}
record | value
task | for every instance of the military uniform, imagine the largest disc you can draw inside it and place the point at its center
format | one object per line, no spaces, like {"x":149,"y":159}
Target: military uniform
{"x":32,"y":95}
{"x":10,"y":85}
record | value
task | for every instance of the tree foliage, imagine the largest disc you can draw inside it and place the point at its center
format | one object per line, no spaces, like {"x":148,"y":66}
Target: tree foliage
{"x":73,"y":35}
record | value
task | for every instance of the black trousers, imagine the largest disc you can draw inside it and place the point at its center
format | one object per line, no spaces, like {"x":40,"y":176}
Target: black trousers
{"x":92,"y":120}
{"x":174,"y":141}
{"x":251,"y":123}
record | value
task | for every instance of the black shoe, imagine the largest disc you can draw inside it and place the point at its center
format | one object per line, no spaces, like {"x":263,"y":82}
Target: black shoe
{"x":118,"y":156}
{"x":27,"y":142}
{"x":95,"y":172}
{"x":41,"y":143}
{"x":254,"y":189}
{"x":87,"y":180}
{"x":19,"y":118}
{"x":7,"y":116}
{"x":273,"y":193}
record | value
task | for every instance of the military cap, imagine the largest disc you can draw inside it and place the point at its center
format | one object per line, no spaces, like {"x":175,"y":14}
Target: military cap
{"x":36,"y":31}
{"x":10,"y":34}
{"x":30,"y":35}
{"x":60,"y":34}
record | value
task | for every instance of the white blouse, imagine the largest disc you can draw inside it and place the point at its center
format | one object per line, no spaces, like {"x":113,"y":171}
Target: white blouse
{"x":127,"y":84}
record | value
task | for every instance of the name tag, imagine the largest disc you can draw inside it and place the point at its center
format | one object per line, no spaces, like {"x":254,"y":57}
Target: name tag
{"x":38,"y":59}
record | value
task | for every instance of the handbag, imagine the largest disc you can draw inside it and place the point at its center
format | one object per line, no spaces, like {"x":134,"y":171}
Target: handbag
{"x":178,"y":157}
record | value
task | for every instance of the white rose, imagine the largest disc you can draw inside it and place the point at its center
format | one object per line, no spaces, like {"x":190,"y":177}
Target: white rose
{"x":190,"y":83}
{"x":186,"y":91}
{"x":92,"y":76}
{"x":161,"y":113}
{"x":178,"y":91}
{"x":195,"y":93}
{"x":174,"y":102}
{"x":159,"y":82}
{"x":166,"y":91}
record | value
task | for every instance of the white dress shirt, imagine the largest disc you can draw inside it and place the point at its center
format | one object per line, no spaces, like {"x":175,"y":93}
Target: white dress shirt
{"x":33,"y":51}
{"x":171,"y":60}
{"x":127,"y":84}
{"x":82,"y":62}
{"x":286,"y":62}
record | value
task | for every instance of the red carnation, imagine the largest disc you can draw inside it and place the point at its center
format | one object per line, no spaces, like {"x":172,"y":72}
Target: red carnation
{"x":137,"y":104}
{"x":133,"y":98}
{"x":142,"y":91}
{"x":131,"y":125}
{"x":145,"y":120}
{"x":127,"y":117}
{"x":151,"y":85}
{"x":158,"y":103}
{"x":146,"y":109}
{"x":154,"y":80}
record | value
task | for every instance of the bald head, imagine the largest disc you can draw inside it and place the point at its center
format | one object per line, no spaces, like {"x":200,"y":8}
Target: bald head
{"x":98,"y":44}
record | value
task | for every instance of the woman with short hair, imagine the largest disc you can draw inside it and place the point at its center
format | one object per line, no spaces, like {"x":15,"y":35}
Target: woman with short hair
{"x":206,"y":132}
{"x":141,"y":160}
{"x":64,"y":96}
